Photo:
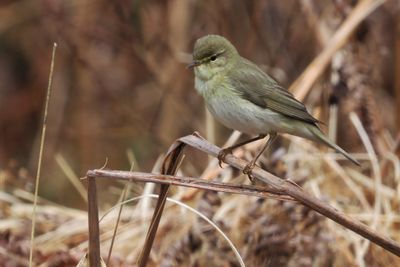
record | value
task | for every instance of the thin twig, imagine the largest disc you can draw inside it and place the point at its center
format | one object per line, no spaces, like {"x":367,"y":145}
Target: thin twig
{"x":170,"y":166}
{"x":72,"y":177}
{"x":122,"y":198}
{"x":250,"y":190}
{"x":93,"y":224}
{"x":296,"y":192}
{"x":275,"y":184}
{"x":377,"y":173}
{"x":179,"y":203}
{"x":39,"y":168}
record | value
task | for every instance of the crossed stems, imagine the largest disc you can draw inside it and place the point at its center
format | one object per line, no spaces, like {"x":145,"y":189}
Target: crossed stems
{"x":249,"y":167}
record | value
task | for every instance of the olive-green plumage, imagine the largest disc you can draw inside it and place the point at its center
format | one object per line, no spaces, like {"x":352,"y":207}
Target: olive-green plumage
{"x":241,"y":96}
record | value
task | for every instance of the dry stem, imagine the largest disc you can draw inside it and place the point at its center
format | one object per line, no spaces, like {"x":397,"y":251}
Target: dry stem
{"x":275,"y":185}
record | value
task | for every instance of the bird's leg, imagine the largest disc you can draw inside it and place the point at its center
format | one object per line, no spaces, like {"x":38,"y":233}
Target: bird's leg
{"x":228,"y":150}
{"x":249,"y":167}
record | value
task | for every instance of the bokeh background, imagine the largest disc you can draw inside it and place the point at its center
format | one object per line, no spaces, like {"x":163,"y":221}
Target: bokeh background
{"x":121,"y":85}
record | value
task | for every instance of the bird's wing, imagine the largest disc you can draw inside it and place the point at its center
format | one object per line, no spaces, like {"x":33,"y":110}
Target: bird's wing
{"x":257,"y":87}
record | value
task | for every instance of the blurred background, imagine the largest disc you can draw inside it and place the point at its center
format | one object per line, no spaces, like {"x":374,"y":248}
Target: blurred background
{"x":121,"y":85}
{"x":120,"y":81}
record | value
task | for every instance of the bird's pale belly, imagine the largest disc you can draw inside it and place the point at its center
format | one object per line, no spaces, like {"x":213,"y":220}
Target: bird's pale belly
{"x":244,"y":116}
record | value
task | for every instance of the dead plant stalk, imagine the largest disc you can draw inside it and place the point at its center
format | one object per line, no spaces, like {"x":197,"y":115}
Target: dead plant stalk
{"x":281,"y":188}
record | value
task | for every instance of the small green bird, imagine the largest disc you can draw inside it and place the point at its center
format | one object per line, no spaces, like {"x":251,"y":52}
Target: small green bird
{"x":242,"y":97}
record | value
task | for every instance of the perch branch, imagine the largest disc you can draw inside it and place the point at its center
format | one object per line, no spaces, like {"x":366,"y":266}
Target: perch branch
{"x":297,"y":193}
{"x":275,"y":187}
{"x":249,"y":190}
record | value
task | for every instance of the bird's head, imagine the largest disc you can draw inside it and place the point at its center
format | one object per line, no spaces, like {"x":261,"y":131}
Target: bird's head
{"x":212,"y":54}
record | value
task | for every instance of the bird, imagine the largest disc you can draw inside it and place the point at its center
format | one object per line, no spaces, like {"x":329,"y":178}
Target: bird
{"x":243,"y":97}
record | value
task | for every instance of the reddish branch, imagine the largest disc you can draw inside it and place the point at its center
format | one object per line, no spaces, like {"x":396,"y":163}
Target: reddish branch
{"x":277,"y":187}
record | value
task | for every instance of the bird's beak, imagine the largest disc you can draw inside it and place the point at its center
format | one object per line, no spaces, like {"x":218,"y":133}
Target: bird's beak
{"x":195,"y":63}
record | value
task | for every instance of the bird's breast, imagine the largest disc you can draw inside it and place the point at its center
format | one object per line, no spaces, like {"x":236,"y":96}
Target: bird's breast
{"x":235,"y":112}
{"x":239,"y":114}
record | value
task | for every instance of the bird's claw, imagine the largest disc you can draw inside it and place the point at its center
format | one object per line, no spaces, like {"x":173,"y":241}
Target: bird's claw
{"x":222,"y":154}
{"x":248,"y":169}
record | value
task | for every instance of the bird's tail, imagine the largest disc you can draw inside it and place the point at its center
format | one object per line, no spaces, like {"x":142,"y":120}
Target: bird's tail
{"x":320,"y":137}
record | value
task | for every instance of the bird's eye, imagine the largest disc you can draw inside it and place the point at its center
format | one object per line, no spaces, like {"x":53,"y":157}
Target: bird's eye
{"x":213,"y":58}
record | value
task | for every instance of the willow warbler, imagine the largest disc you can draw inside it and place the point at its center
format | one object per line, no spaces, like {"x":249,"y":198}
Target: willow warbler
{"x":242,"y":97}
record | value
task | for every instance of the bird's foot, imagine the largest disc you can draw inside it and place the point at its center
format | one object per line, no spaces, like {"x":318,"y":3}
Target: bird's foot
{"x":222,"y":154}
{"x":248,"y":169}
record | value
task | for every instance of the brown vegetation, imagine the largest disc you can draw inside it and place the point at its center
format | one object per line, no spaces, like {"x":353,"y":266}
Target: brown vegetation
{"x":121,"y":91}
